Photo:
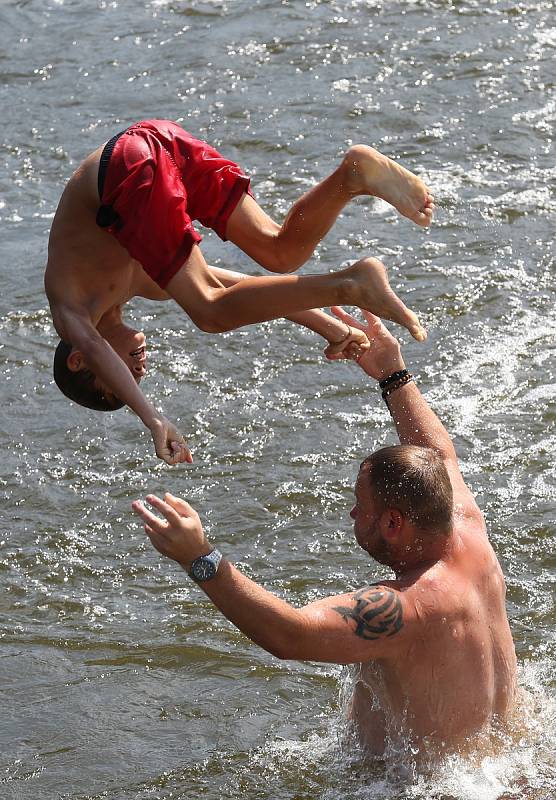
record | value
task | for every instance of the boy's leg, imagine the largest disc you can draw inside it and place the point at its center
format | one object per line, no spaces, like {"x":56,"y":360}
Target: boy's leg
{"x":284,"y":248}
{"x":340,"y":341}
{"x":215,"y":308}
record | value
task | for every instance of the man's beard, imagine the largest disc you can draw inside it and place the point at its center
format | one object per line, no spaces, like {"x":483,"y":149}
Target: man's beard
{"x":377,"y":547}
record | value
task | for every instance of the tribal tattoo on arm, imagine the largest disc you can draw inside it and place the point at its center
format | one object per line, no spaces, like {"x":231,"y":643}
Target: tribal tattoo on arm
{"x":377,"y":612}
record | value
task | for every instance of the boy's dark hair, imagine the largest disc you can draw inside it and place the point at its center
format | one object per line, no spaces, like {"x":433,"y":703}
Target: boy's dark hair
{"x":79,"y":386}
{"x":414,"y":480}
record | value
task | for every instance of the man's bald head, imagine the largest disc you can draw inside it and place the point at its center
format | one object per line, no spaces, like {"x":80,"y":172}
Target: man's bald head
{"x":415,"y":481}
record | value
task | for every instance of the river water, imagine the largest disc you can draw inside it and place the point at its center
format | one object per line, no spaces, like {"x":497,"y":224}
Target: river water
{"x":119,"y":679}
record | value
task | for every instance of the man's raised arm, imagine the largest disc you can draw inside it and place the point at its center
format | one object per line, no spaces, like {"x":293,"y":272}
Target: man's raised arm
{"x":415,"y":421}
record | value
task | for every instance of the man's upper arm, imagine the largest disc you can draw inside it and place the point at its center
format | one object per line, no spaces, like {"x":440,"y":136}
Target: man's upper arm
{"x":367,"y":624}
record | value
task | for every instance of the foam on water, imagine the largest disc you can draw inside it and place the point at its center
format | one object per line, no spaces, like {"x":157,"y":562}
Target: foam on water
{"x":520,"y":765}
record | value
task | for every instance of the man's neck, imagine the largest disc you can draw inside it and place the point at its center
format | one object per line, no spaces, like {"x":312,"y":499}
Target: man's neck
{"x":425,"y":552}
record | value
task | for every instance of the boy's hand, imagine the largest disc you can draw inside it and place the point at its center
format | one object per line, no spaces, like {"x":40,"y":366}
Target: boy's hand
{"x":180,"y":534}
{"x":168,"y":442}
{"x":383,"y":357}
{"x":351,"y":346}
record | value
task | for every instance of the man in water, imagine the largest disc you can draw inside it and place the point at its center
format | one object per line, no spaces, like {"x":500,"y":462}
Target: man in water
{"x":124,"y":228}
{"x":435,"y":660}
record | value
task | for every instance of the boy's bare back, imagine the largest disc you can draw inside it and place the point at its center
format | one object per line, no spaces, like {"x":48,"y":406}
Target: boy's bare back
{"x":87,"y":268}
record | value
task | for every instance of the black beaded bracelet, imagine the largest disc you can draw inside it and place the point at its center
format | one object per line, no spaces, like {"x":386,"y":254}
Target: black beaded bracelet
{"x":396,"y":385}
{"x":395,"y":376}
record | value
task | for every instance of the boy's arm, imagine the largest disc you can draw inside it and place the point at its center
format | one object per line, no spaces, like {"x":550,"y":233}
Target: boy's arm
{"x":415,"y":421}
{"x":344,"y":340}
{"x":359,"y":626}
{"x":108,"y":367}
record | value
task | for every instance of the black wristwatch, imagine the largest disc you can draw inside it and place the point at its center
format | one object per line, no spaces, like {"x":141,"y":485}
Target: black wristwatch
{"x":205,"y":567}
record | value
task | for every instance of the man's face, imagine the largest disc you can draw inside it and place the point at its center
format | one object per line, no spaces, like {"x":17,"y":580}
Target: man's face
{"x":366,"y":515}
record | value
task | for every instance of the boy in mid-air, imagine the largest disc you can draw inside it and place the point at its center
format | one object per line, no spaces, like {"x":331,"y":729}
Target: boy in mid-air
{"x":123,"y":228}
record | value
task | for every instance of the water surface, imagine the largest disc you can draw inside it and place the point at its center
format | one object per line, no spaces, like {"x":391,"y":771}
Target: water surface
{"x":120,"y":680}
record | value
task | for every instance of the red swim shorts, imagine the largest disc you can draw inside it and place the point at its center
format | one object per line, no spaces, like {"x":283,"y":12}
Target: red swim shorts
{"x":154,"y":179}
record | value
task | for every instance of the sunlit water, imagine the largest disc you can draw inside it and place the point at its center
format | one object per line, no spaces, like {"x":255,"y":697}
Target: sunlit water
{"x":119,"y":679}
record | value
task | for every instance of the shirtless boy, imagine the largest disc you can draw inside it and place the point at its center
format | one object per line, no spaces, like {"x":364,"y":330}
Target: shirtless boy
{"x":123,"y":228}
{"x":434,"y":658}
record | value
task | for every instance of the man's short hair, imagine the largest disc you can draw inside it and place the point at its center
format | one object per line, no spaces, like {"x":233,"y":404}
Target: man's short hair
{"x":415,"y":481}
{"x":79,"y":386}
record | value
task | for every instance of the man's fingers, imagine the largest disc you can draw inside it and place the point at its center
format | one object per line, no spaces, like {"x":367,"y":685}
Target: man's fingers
{"x":171,"y":507}
{"x":372,"y":319}
{"x":156,"y":524}
{"x":165,"y":509}
{"x":339,"y":312}
{"x":180,"y":505}
{"x":157,"y":541}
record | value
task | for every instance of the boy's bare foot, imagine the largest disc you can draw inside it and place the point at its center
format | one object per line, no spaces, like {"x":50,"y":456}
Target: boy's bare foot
{"x":370,"y":172}
{"x":372,"y":291}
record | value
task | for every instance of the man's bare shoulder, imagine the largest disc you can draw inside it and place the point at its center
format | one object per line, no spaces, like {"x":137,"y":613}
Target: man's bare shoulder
{"x":453,"y":589}
{"x":441,"y":593}
{"x":376,"y":610}
{"x":357,"y":626}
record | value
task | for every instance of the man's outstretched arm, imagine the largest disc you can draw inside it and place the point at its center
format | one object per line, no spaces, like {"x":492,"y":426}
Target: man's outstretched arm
{"x":354,"y":627}
{"x":415,"y":421}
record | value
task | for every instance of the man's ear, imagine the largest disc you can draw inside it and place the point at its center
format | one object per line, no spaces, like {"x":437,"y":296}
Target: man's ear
{"x":75,"y":361}
{"x":391,"y":523}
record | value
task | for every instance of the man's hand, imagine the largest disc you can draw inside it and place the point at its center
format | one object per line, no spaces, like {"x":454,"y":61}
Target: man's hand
{"x":352,"y":346}
{"x":384,"y":355}
{"x":168,"y":442}
{"x":180,"y":534}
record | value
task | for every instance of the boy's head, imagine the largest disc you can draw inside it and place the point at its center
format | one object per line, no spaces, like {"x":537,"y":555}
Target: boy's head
{"x":74,"y":378}
{"x":80,"y":385}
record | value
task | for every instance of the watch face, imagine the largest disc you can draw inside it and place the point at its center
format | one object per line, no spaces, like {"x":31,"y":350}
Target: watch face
{"x":202,"y":569}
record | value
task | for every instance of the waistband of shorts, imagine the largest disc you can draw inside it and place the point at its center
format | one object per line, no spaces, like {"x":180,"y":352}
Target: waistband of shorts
{"x":104,"y":161}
